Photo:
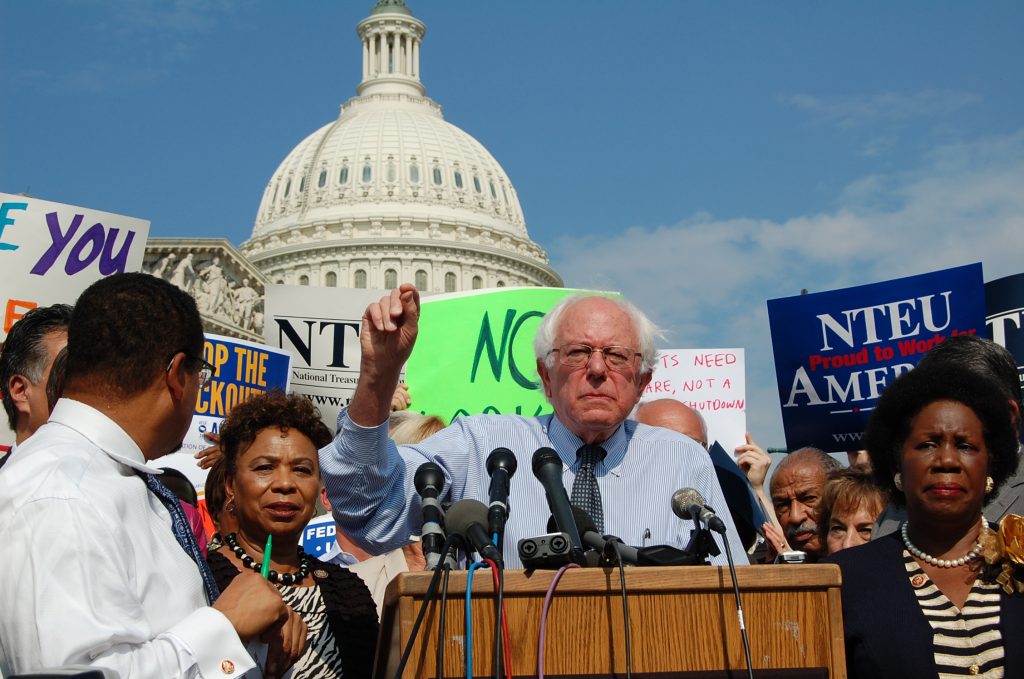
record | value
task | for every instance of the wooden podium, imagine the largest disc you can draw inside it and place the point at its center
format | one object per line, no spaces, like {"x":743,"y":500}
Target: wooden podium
{"x":683,"y":622}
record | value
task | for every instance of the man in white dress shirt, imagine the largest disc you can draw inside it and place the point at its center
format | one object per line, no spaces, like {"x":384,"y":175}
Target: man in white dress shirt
{"x":92,"y":573}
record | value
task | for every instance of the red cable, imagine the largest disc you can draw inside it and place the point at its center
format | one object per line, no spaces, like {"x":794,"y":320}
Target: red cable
{"x":505,"y":647}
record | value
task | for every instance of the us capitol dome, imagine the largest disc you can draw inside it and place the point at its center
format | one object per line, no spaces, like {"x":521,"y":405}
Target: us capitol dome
{"x":387,"y":192}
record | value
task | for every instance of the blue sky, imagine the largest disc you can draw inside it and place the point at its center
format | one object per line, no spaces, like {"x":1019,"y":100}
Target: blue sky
{"x":701,"y":157}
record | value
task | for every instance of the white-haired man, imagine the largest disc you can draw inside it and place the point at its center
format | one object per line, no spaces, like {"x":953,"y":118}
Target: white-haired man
{"x":594,"y":356}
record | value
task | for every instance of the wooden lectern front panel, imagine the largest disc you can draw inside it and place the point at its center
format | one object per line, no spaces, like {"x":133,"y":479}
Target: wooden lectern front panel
{"x":682,"y":619}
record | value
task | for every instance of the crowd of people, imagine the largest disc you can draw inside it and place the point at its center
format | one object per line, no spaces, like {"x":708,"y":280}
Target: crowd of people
{"x":109,"y":567}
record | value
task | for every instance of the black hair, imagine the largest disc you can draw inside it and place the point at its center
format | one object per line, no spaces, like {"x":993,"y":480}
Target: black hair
{"x":891,"y":421}
{"x":125,"y":330}
{"x":179,"y":484}
{"x":24,"y":352}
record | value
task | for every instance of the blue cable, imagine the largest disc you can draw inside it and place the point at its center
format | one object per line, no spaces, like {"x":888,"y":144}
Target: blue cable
{"x":469,"y":617}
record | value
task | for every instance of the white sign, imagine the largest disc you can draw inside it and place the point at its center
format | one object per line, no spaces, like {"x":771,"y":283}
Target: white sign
{"x":320,"y":327}
{"x":710,"y":381}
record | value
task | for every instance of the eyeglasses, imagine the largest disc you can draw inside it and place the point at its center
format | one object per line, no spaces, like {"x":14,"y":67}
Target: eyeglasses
{"x":578,"y":355}
{"x":206,"y":369}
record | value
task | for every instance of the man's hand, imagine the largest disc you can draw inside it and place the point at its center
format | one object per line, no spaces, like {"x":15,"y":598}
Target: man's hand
{"x":754,"y":462}
{"x":285,"y":643}
{"x":252,"y":605}
{"x":401,"y":399}
{"x":387,"y":337}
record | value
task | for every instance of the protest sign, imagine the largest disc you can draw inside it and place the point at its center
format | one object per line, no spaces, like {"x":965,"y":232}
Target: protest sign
{"x":474,"y":353}
{"x":835,"y":351}
{"x":320,"y":328}
{"x":1004,"y":315}
{"x":50,"y":252}
{"x":710,"y":381}
{"x":243,"y":369}
{"x":319,"y":536}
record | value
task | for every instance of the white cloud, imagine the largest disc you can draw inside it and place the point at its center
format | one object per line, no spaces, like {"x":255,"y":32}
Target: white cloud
{"x":886,"y":106}
{"x":706,"y":281}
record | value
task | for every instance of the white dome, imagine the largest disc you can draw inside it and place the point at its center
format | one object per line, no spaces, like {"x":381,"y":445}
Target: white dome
{"x":390,"y":168}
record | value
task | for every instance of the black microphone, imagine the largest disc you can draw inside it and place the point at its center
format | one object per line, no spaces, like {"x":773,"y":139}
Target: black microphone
{"x":468,"y":518}
{"x":547,"y":467}
{"x":688,"y":503}
{"x":429,"y":480}
{"x":604,"y":545}
{"x":501,"y":465}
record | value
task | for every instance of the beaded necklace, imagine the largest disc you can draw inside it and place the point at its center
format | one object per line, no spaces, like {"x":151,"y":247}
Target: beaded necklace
{"x":942,"y":563}
{"x":285,"y":579}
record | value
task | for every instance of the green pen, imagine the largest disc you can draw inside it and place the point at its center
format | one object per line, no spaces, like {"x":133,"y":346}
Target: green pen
{"x":265,"y":570}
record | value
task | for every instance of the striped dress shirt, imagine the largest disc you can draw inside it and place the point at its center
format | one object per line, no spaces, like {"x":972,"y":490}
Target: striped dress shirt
{"x":369,"y":480}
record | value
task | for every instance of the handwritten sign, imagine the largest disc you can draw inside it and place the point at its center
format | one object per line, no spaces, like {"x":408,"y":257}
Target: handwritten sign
{"x":51,"y":252}
{"x":836,"y":351}
{"x":710,"y":381}
{"x":243,"y":369}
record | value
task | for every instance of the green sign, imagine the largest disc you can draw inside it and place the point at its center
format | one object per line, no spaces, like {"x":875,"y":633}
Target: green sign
{"x":474,"y":353}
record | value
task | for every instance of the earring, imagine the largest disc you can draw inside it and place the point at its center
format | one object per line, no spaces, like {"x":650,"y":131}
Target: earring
{"x":230,"y":505}
{"x":897,"y":480}
{"x":989,"y":484}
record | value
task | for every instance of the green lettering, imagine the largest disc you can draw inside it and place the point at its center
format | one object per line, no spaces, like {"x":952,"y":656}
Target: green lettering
{"x":486,"y":340}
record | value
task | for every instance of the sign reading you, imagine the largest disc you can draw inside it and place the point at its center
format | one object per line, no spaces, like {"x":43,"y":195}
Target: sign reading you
{"x":50,"y":252}
{"x":836,"y":351}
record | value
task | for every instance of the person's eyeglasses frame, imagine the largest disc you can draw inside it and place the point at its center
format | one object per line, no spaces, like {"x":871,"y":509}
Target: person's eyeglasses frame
{"x":566,"y":359}
{"x":207,"y":371}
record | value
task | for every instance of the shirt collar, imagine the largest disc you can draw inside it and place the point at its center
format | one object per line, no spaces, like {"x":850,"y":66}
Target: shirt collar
{"x":567,"y":443}
{"x":102,"y":431}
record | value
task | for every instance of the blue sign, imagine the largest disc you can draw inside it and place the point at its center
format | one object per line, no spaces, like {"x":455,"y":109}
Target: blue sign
{"x":318,"y":537}
{"x":1005,"y":316}
{"x":836,"y":351}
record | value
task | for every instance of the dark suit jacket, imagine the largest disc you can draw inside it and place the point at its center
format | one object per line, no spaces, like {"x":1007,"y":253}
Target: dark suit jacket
{"x":887,"y":635}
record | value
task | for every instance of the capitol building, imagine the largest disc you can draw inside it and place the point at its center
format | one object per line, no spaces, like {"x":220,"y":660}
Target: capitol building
{"x":387,"y":192}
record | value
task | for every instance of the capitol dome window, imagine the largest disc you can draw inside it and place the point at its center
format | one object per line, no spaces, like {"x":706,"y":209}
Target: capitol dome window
{"x":437,"y":175}
{"x":367,"y":173}
{"x":449,"y":282}
{"x":501,"y":284}
{"x":343,"y":175}
{"x":458,"y":179}
{"x":302,"y":184}
{"x":421,"y":280}
{"x":287,"y":188}
{"x":360,"y":278}
{"x":392,"y":171}
{"x":494,"y":194}
{"x":323,"y":179}
{"x":390,"y":279}
{"x":478,"y":282}
{"x":332,"y":279}
{"x":303,"y":280}
{"x":414,"y":173}
{"x":476,"y":184}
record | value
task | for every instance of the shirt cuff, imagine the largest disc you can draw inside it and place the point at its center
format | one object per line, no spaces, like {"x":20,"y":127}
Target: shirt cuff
{"x":213,"y":643}
{"x":363,"y":444}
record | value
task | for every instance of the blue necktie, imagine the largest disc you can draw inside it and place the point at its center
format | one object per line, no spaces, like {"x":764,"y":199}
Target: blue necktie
{"x":585,"y":492}
{"x":183,"y":533}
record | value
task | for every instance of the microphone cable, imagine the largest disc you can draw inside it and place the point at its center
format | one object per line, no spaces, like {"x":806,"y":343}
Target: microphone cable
{"x":468,"y":644}
{"x":625,"y":610}
{"x":441,"y":620}
{"x":739,"y":607}
{"x":544,"y":616}
{"x":431,"y":588}
{"x":502,"y":652}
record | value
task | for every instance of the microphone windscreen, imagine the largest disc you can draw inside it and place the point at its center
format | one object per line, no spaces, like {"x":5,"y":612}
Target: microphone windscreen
{"x":463,"y":513}
{"x":683,"y":499}
{"x":428,"y":474}
{"x":545,"y":456}
{"x":584,"y":524}
{"x":501,"y":458}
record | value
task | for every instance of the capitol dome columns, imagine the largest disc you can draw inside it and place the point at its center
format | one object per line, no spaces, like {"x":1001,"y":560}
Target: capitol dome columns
{"x":391,"y":38}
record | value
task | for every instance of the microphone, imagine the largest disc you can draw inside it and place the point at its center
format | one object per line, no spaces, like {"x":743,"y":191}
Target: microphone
{"x":429,"y":480}
{"x":687,"y":503}
{"x":604,"y":545}
{"x":501,"y":465}
{"x":547,"y":467}
{"x":467,"y":518}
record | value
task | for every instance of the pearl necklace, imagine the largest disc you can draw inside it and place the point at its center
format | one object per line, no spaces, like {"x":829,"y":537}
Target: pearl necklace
{"x":272,"y":576}
{"x":942,"y":563}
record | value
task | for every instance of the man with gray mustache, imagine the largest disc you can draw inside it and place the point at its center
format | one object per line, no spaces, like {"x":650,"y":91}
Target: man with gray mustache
{"x":796,"y":487}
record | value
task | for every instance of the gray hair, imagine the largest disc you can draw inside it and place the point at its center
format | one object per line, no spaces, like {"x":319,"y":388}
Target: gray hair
{"x":646,"y":331}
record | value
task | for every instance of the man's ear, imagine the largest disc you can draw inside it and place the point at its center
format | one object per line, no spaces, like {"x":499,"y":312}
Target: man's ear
{"x":18,"y":387}
{"x":176,"y":376}
{"x":1015,"y":414}
{"x":644,"y":380}
{"x":545,"y":379}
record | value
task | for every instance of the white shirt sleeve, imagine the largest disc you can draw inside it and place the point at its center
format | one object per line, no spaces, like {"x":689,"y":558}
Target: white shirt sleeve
{"x":73,"y":592}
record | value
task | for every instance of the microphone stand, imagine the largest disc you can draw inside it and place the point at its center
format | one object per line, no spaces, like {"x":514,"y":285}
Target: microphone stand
{"x":739,"y":606}
{"x":702,"y":544}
